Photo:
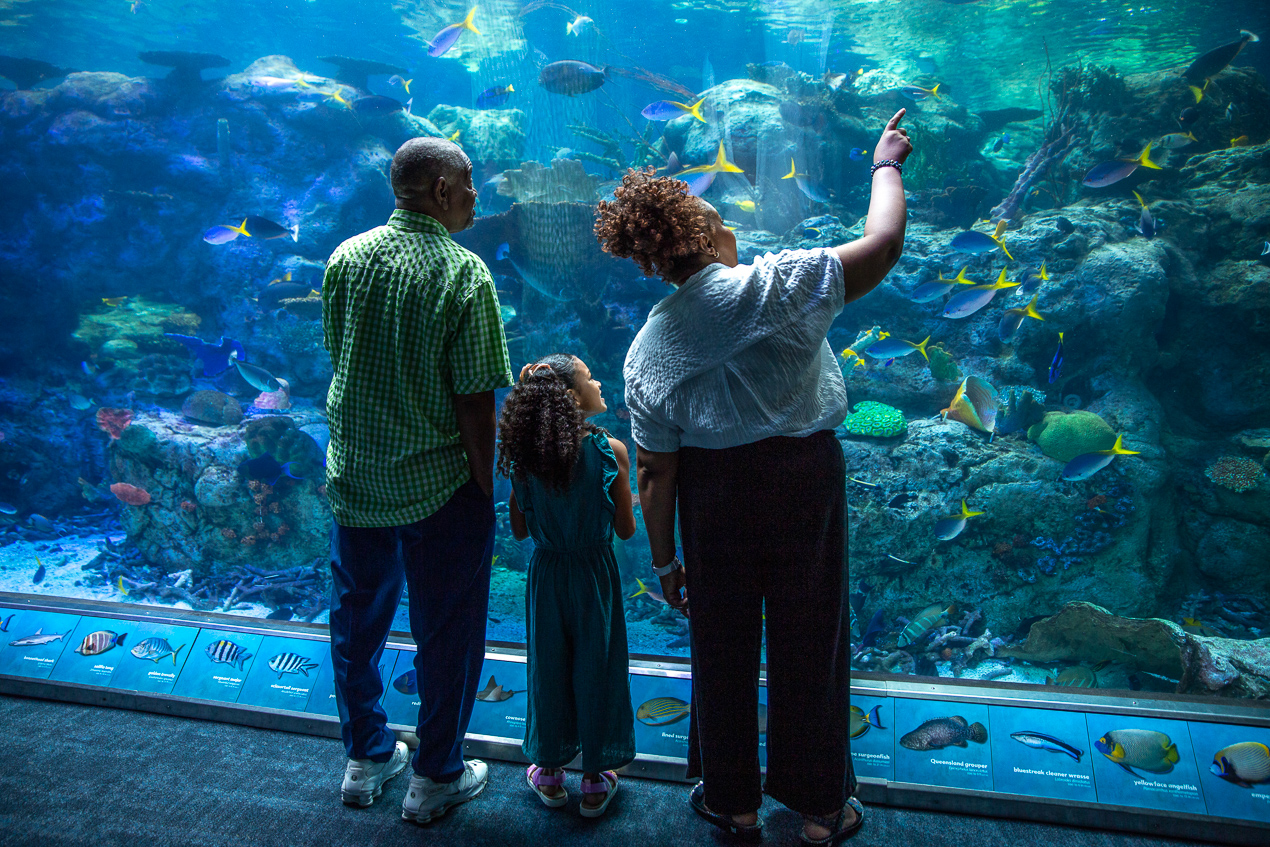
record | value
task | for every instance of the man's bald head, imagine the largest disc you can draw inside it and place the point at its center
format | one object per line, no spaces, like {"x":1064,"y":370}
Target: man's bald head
{"x":417,"y":166}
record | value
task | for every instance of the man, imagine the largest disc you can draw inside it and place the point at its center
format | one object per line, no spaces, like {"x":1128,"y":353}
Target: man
{"x":412,"y":323}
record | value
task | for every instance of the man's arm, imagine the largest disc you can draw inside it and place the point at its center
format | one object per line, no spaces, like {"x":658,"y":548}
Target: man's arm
{"x":475,"y":415}
{"x":867,"y":260}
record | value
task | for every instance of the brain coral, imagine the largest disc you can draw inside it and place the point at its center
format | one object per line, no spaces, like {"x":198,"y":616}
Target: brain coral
{"x":1066,"y":435}
{"x":875,"y":420}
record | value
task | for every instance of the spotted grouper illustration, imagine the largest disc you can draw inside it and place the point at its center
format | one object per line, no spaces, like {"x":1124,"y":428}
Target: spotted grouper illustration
{"x":938,"y":733}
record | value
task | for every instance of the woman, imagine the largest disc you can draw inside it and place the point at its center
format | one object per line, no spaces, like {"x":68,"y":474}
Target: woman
{"x":734,"y":395}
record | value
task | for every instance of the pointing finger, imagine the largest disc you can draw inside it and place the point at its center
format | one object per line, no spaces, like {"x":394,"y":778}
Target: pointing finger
{"x":895,"y":121}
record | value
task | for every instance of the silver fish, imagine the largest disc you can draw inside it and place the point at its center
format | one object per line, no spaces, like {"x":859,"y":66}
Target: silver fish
{"x":284,"y":663}
{"x":38,"y":638}
{"x":1041,"y":741}
{"x":155,"y":648}
{"x":258,"y":378}
{"x":227,"y":653}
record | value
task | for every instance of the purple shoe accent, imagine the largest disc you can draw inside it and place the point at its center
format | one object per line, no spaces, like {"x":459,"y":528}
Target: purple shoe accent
{"x":538,"y":777}
{"x":608,"y":779}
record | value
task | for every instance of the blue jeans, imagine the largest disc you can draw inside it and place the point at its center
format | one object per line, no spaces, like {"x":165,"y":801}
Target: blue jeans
{"x":444,"y":559}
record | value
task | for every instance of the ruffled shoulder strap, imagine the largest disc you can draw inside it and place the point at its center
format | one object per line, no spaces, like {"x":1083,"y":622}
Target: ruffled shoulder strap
{"x":520,"y":488}
{"x":608,"y":466}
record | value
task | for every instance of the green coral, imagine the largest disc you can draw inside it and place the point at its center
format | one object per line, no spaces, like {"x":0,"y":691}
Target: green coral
{"x":942,"y":366}
{"x":1233,"y":472}
{"x":875,"y":420}
{"x":1066,"y":435}
{"x":136,"y":326}
{"x":278,"y":436}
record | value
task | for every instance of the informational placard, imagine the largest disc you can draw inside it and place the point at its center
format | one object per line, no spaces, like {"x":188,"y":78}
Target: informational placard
{"x":872,"y":728}
{"x":502,"y":704}
{"x":153,"y":656}
{"x":1234,"y":769}
{"x":218,"y":665}
{"x":762,"y":727}
{"x":285,"y":673}
{"x":942,"y":744}
{"x":33,"y":641}
{"x":1145,"y":763}
{"x":94,"y":650}
{"x":322,"y":700}
{"x":661,"y":706}
{"x":401,"y":690}
{"x":1041,"y":753}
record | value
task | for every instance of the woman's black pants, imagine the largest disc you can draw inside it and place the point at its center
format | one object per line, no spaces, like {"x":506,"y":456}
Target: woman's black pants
{"x":763,"y":527}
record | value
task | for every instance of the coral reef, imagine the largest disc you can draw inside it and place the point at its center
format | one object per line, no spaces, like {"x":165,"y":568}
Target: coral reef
{"x":1066,"y":435}
{"x":871,"y":419}
{"x":942,"y":365}
{"x":495,"y":137}
{"x":1237,"y":473}
{"x":278,"y":436}
{"x":213,"y":408}
{"x":134,"y":328}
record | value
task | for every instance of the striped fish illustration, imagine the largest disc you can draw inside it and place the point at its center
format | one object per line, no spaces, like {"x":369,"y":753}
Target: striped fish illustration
{"x":291,"y":663}
{"x":38,"y":638}
{"x":227,"y":653}
{"x":96,"y":643}
{"x":156,"y":648}
{"x":661,"y":711}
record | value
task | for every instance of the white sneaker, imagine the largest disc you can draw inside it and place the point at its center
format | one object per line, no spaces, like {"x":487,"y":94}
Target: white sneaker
{"x":364,"y":780}
{"x":427,"y":800}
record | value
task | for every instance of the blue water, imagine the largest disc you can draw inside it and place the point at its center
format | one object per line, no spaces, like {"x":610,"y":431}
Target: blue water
{"x":113,"y":175}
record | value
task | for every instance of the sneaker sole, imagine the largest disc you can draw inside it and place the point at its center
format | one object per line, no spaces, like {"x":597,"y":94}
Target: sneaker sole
{"x":441,"y":810}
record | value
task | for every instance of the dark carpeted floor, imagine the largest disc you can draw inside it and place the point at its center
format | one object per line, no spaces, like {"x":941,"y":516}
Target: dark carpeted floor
{"x":82,"y":775}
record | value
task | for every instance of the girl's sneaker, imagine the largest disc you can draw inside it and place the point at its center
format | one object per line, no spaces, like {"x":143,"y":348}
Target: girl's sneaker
{"x":427,"y":800}
{"x":364,"y":780}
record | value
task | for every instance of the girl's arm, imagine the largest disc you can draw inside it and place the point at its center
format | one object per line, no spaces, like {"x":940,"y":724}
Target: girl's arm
{"x":519,"y":531}
{"x":620,"y":491}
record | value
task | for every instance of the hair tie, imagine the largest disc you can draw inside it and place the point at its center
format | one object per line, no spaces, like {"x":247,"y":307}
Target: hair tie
{"x":530,"y":370}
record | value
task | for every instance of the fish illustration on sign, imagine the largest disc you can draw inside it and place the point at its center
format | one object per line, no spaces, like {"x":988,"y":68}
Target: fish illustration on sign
{"x":1049,"y":743}
{"x":227,"y":653}
{"x":285,"y":663}
{"x":38,"y":638}
{"x":96,"y":643}
{"x":661,"y":711}
{"x":1244,"y":764}
{"x":861,"y":721}
{"x":1143,"y":749}
{"x":407,"y":683}
{"x":4,"y":623}
{"x":155,"y":648}
{"x":937,"y":733}
{"x":494,"y":693}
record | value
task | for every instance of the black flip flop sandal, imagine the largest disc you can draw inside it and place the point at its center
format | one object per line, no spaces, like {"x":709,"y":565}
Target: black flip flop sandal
{"x":837,"y":832}
{"x":724,"y":822}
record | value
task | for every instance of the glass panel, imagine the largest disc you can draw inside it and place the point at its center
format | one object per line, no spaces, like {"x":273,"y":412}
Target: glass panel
{"x":167,"y":215}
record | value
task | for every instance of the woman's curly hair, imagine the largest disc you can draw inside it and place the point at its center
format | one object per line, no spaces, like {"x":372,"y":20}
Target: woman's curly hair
{"x":541,"y":427}
{"x":652,"y":220}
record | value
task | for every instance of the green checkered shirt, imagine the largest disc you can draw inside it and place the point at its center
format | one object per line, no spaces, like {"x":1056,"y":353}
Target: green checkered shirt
{"x":410,"y":318}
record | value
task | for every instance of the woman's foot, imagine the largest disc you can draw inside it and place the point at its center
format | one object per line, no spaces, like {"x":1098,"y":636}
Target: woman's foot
{"x":817,"y":830}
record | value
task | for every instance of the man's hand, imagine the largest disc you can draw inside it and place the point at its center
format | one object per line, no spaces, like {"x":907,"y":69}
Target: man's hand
{"x":894,"y":143}
{"x":674,"y":588}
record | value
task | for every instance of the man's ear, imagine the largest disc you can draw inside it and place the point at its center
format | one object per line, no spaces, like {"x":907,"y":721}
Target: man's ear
{"x":441,"y":193}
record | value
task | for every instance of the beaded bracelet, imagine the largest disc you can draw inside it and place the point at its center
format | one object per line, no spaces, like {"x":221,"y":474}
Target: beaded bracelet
{"x":886,"y":163}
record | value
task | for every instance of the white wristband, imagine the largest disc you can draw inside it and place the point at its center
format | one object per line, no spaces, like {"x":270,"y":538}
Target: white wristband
{"x":670,"y":567}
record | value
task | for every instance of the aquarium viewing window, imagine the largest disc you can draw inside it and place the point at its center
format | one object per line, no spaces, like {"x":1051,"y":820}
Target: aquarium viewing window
{"x":1058,"y":437}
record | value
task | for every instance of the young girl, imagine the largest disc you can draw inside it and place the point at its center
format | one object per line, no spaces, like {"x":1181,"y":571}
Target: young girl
{"x":571,"y":492}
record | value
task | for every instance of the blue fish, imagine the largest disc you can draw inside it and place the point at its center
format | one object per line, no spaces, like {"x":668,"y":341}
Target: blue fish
{"x":492,"y":98}
{"x":1087,"y":464}
{"x":858,"y":153}
{"x":666,"y":110}
{"x":1056,"y":364}
{"x":973,"y":241}
{"x":876,"y":627}
{"x":216,"y":358}
{"x":931,"y":291}
{"x":266,"y":467}
{"x":1032,"y":280}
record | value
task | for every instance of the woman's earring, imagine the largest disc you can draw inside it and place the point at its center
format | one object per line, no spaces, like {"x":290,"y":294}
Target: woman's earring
{"x":714,"y":251}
